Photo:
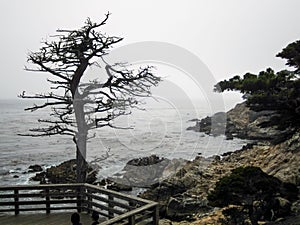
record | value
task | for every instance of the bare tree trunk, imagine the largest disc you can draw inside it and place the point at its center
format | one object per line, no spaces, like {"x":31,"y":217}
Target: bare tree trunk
{"x":81,"y":141}
{"x":81,"y":164}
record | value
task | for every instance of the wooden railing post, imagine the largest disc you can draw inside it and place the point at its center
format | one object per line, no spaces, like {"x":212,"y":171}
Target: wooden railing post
{"x":47,"y":201}
{"x":110,"y":205}
{"x":89,"y":201}
{"x":79,"y":199}
{"x":17,"y":209}
{"x":156,"y":215}
{"x":131,"y":220}
{"x":132,"y":204}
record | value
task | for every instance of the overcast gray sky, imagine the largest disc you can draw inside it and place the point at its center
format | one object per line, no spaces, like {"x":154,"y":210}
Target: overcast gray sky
{"x":229,"y":36}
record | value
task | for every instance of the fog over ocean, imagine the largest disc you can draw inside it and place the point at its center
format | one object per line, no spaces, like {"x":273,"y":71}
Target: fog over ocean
{"x":156,"y":130}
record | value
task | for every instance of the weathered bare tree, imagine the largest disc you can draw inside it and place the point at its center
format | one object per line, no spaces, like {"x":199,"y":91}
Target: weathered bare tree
{"x":77,"y":107}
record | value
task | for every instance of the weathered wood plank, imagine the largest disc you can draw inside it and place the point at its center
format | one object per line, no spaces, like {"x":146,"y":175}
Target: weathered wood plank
{"x":118,"y":195}
{"x":144,"y":216}
{"x":106,"y":208}
{"x":39,"y":195}
{"x":40,"y":187}
{"x":129,"y":214}
{"x":42,"y":202}
{"x":44,"y":219}
{"x":113,"y":203}
{"x":16,"y":203}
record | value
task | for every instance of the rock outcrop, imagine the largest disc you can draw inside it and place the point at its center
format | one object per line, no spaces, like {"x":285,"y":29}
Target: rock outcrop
{"x":241,"y":122}
{"x":257,"y":195}
{"x":146,"y":171}
{"x":198,"y":178}
{"x":276,"y":152}
{"x":35,"y":168}
{"x":63,"y":173}
{"x":178,"y":188}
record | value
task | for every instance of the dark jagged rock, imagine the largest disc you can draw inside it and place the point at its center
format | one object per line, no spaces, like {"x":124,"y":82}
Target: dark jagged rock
{"x":41,"y":177}
{"x":145,"y":161}
{"x":214,"y":125}
{"x":63,"y":173}
{"x":35,"y":168}
{"x":194,"y":120}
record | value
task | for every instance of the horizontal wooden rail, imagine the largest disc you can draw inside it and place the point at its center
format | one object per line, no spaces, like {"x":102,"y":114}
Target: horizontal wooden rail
{"x":117,"y":207}
{"x":133,"y":213}
{"x":41,"y":187}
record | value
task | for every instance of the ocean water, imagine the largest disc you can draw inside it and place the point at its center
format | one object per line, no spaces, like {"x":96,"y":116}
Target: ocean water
{"x":156,"y":130}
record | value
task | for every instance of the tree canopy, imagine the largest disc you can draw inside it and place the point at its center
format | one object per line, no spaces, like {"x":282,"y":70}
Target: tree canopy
{"x":270,"y":90}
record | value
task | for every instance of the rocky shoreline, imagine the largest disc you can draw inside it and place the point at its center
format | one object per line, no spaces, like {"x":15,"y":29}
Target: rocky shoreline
{"x":62,"y":173}
{"x":137,"y":173}
{"x":194,"y":181}
{"x":184,"y":196}
{"x":183,"y":187}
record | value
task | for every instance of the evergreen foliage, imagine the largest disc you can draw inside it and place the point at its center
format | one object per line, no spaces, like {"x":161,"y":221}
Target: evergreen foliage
{"x":270,"y":90}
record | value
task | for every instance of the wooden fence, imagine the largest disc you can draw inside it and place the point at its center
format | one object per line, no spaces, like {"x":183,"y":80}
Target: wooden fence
{"x":118,"y":208}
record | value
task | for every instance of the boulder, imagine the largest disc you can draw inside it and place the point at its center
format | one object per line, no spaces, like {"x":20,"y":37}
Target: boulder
{"x":145,"y":161}
{"x":41,"y":177}
{"x":63,"y":173}
{"x":184,"y":207}
{"x":147,"y":171}
{"x":185,"y":179}
{"x":35,"y":168}
{"x":214,"y":125}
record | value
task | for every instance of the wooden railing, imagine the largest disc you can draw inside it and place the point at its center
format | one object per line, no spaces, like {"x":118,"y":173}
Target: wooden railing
{"x":118,"y":208}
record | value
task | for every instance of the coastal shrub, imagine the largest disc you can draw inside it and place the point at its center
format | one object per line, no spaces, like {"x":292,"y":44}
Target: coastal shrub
{"x":254,"y":190}
{"x":233,"y":215}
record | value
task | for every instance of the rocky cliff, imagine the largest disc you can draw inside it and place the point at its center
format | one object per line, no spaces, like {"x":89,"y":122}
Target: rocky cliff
{"x":184,"y":196}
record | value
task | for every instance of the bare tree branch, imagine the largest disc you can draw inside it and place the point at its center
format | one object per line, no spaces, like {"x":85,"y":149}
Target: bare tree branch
{"x":77,"y":107}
